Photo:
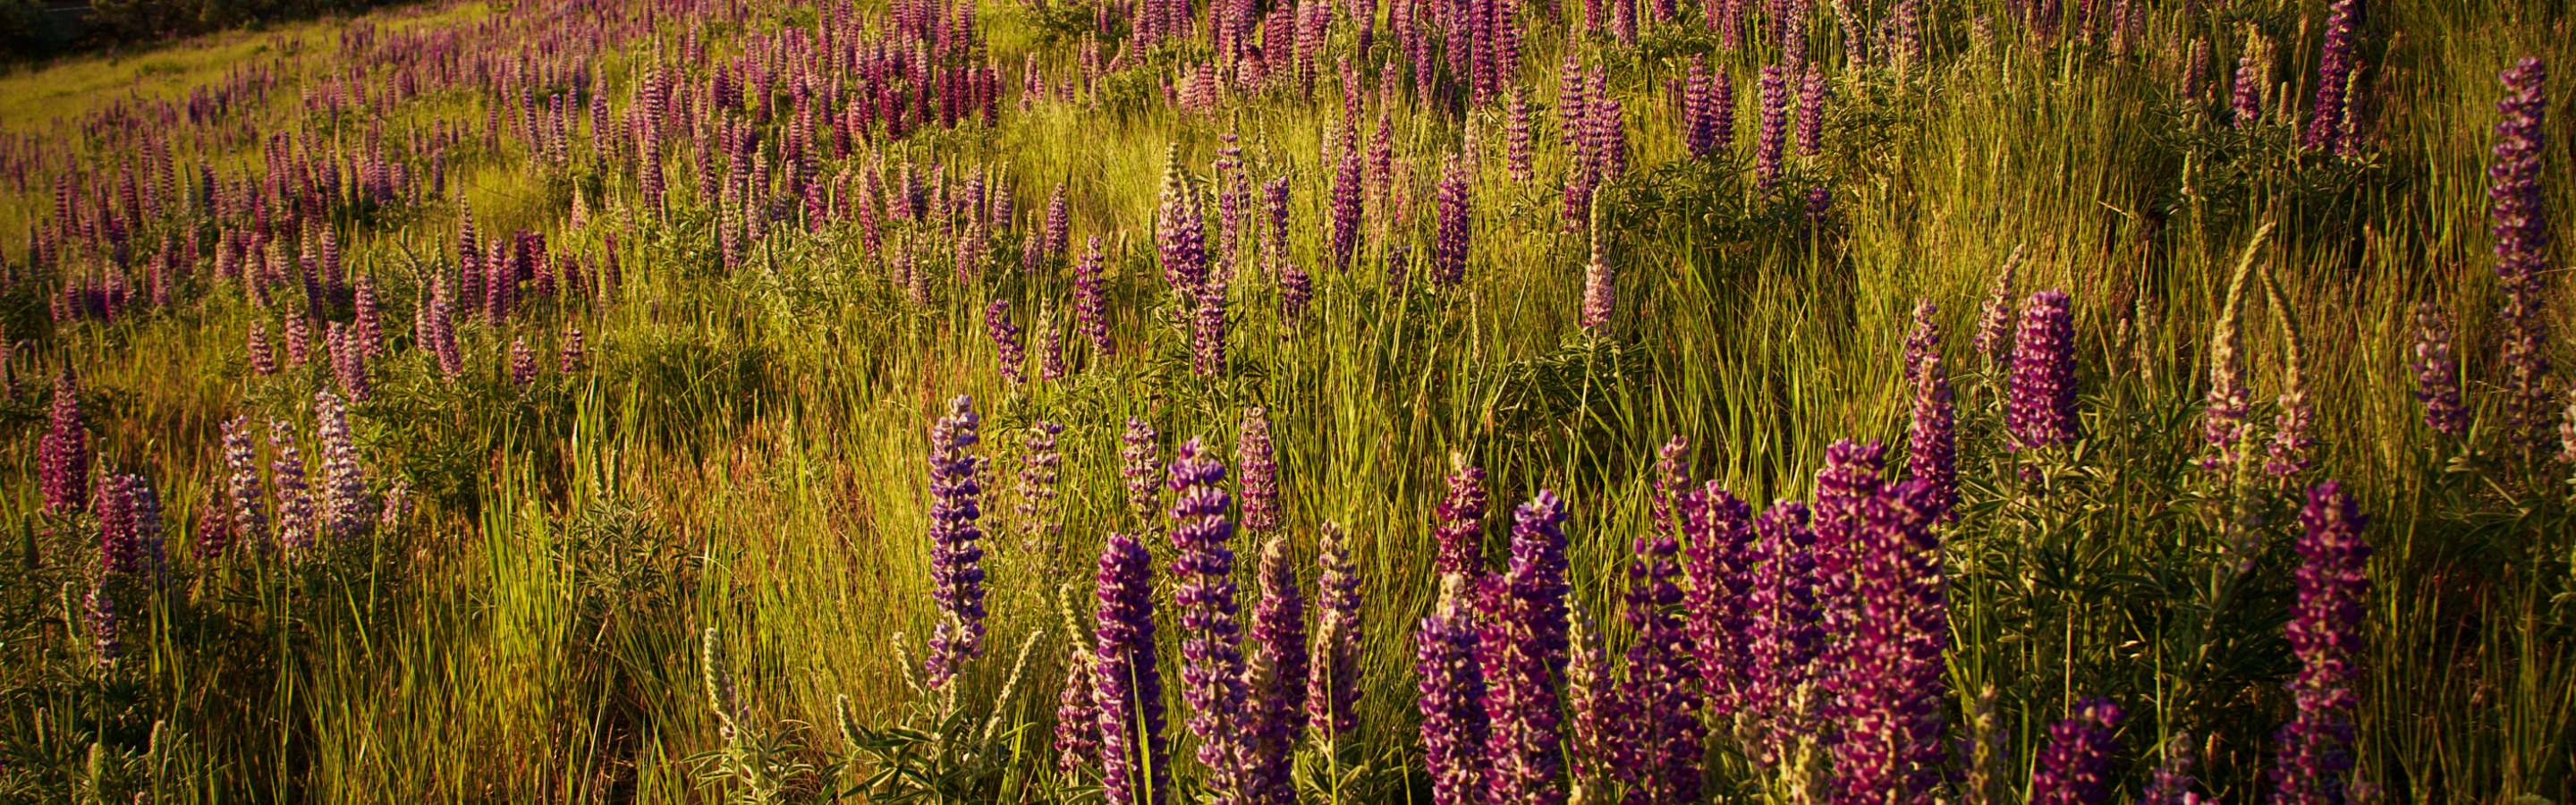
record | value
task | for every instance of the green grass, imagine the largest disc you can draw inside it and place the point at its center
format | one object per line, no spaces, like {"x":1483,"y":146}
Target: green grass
{"x":747,"y":452}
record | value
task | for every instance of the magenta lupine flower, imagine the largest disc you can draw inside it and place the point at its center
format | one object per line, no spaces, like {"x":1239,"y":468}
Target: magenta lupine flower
{"x":2041,"y":412}
{"x":2245,"y":102}
{"x":1610,"y":135}
{"x":1719,"y":563}
{"x":1180,"y":233}
{"x":1890,"y":703}
{"x":1449,"y":251}
{"x":348,"y":361}
{"x":1932,"y":440}
{"x":523,"y":364}
{"x":1260,"y":481}
{"x":1768,"y":150}
{"x":1135,"y":759}
{"x":2437,"y":372}
{"x":299,"y":340}
{"x":2520,"y":221}
{"x":1781,"y":636}
{"x":2075,"y":767}
{"x":1522,"y":652}
{"x":1090,"y":309}
{"x":1138,"y":464}
{"x":346,"y":511}
{"x":1661,"y":692}
{"x":1211,"y":641}
{"x":2326,"y":634}
{"x":1077,"y":717}
{"x":956,"y":555}
{"x":1006,"y":340}
{"x":1461,"y":533}
{"x":1333,"y":681}
{"x":1275,"y":674}
{"x":1059,"y":222}
{"x":63,"y":453}
{"x":2172,"y":782}
{"x":441,"y":329}
{"x":1454,"y":731}
{"x":370,"y":327}
{"x":298,"y":525}
{"x":1399,"y":263}
{"x":249,"y":522}
{"x":1708,"y":111}
{"x":2335,"y":66}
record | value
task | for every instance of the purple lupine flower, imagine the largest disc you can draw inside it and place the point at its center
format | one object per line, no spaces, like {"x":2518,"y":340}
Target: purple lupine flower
{"x":1137,"y":457}
{"x":1342,"y":234}
{"x":1041,"y":471}
{"x":2172,"y":782}
{"x":2335,"y":68}
{"x":1180,"y":232}
{"x":1207,"y":330}
{"x":214,"y":526}
{"x":1090,"y":309}
{"x":1134,"y":756}
{"x":2438,"y":373}
{"x":249,"y":522}
{"x":956,"y":557}
{"x":2253,"y":76}
{"x":2042,"y":409}
{"x":1007,"y":352}
{"x":118,"y":548}
{"x":2326,"y":633}
{"x":345,"y":509}
{"x":572,"y":357}
{"x":370,"y":328}
{"x":1058,"y":222}
{"x":2520,"y":221}
{"x":1811,"y":112}
{"x":1522,"y":651}
{"x":2075,"y":767}
{"x":299,"y":340}
{"x":1211,"y":640}
{"x":63,"y":453}
{"x":348,"y":361}
{"x":1461,"y":534}
{"x":1768,"y":150}
{"x":442,"y":331}
{"x":1707,"y":111}
{"x":1891,"y":703}
{"x":1449,"y":251}
{"x":1598,"y":749}
{"x":523,"y":364}
{"x":1275,"y":675}
{"x":1660,"y":697}
{"x":1781,"y":637}
{"x":1260,"y":479}
{"x":99,"y":615}
{"x":1077,"y":716}
{"x":1051,"y":365}
{"x":1454,"y":730}
{"x":1932,"y":440}
{"x":1333,"y":680}
{"x":297,"y":523}
{"x":1720,"y":568}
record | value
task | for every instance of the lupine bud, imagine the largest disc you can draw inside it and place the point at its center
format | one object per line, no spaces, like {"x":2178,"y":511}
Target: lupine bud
{"x":241,"y":459}
{"x":2437,"y":373}
{"x":63,"y":453}
{"x":1462,"y":513}
{"x":214,"y":526}
{"x":1600,"y":294}
{"x":1932,"y":441}
{"x":2223,"y":422}
{"x":523,"y":364}
{"x":956,"y":552}
{"x":2326,"y":634}
{"x":346,"y":511}
{"x":100,"y":616}
{"x":1333,"y":685}
{"x":2041,"y":412}
{"x":298,"y":525}
{"x":1077,"y":716}
{"x":572,"y":357}
{"x":1276,"y":678}
{"x":1260,"y":481}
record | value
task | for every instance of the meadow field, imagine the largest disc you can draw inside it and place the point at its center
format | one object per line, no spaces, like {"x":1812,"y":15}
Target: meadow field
{"x":1252,"y":402}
